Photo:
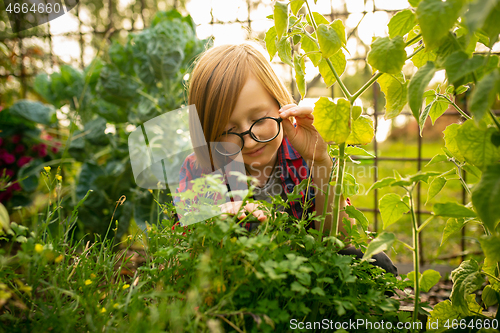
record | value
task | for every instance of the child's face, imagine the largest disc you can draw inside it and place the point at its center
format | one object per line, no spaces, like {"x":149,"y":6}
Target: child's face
{"x":255,"y":102}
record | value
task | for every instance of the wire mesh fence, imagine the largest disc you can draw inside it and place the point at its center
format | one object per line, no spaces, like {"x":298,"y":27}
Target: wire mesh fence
{"x":76,"y":37}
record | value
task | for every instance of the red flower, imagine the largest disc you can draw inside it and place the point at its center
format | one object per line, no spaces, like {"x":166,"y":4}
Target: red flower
{"x":8,"y":158}
{"x":24,"y":160}
{"x":19,"y":149}
{"x":1,"y":141}
{"x":16,"y":187}
{"x":16,"y":138}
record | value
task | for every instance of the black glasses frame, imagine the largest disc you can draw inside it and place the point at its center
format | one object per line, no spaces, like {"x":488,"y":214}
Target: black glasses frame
{"x":249,"y":131}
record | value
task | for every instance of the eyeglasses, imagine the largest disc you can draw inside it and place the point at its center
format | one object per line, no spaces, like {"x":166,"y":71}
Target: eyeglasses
{"x":262,"y":130}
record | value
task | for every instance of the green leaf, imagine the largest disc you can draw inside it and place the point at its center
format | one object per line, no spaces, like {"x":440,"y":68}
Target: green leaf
{"x":436,"y":18}
{"x":423,"y":117}
{"x":33,"y":111}
{"x":437,"y":158}
{"x":484,"y":95}
{"x":339,"y":28}
{"x":442,"y":312}
{"x":437,"y":109}
{"x":435,"y":187}
{"x":486,"y":196}
{"x":332,"y":120}
{"x":422,"y":176}
{"x":472,"y":170}
{"x":382,"y":243}
{"x":358,"y":216}
{"x":285,"y":51}
{"x":392,"y":208}
{"x":350,"y":187}
{"x":295,"y":5}
{"x":422,"y":57}
{"x":450,"y":140}
{"x":362,"y":131}
{"x":350,"y":150}
{"x":318,"y":19}
{"x":387,"y":55}
{"x":491,"y":247}
{"x":381,"y":183}
{"x":458,"y":65}
{"x":300,"y":69}
{"x":452,"y":209}
{"x":356,"y":112}
{"x":271,"y":42}
{"x":395,"y":90}
{"x":414,"y":3}
{"x":418,"y":83}
{"x":475,"y":144}
{"x":329,"y":40}
{"x":339,"y":63}
{"x":309,"y":45}
{"x":452,"y":225}
{"x":489,"y":296}
{"x":401,"y":23}
{"x":467,"y":278}
{"x":5,"y":219}
{"x":429,"y":279}
{"x":491,"y":26}
{"x":477,"y":14}
{"x":281,"y":18}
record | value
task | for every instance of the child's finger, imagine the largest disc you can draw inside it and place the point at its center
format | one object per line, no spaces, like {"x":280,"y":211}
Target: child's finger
{"x":298,"y":111}
{"x":286,"y":107}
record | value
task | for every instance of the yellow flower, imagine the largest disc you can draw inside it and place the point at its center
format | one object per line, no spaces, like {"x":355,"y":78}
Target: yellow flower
{"x":116,"y":305}
{"x":150,"y":191}
{"x":92,"y":276}
{"x":59,"y":177}
{"x":59,"y":259}
{"x":126,"y":286}
{"x":103,"y":310}
{"x":87,"y":282}
{"x":47,"y":169}
{"x":38,"y":248}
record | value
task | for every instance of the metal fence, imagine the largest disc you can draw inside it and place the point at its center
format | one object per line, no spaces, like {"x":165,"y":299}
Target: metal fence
{"x":30,"y":52}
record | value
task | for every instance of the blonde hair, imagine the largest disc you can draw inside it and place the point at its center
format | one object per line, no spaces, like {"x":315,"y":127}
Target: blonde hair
{"x":216,"y":83}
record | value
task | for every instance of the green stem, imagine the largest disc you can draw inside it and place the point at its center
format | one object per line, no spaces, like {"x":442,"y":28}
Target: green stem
{"x":342,"y":86}
{"x":413,"y":39}
{"x":338,"y":191}
{"x":337,"y":77}
{"x":415,"y":52}
{"x":425,"y":223}
{"x":325,"y":206}
{"x":464,"y":184}
{"x":365,"y":86}
{"x":465,"y":115}
{"x":416,"y":264}
{"x":495,"y":120}
{"x":406,"y":245}
{"x":491,"y":276}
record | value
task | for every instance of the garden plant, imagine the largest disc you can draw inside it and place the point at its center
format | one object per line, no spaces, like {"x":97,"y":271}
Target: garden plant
{"x":216,"y":276}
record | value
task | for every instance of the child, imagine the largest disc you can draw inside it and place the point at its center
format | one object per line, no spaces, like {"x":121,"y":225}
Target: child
{"x":244,"y":108}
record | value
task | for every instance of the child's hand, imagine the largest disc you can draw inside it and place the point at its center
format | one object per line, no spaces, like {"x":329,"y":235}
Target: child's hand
{"x":304,"y":138}
{"x":232,"y":208}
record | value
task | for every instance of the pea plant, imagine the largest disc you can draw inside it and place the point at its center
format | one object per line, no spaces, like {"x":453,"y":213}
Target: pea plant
{"x":432,"y":35}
